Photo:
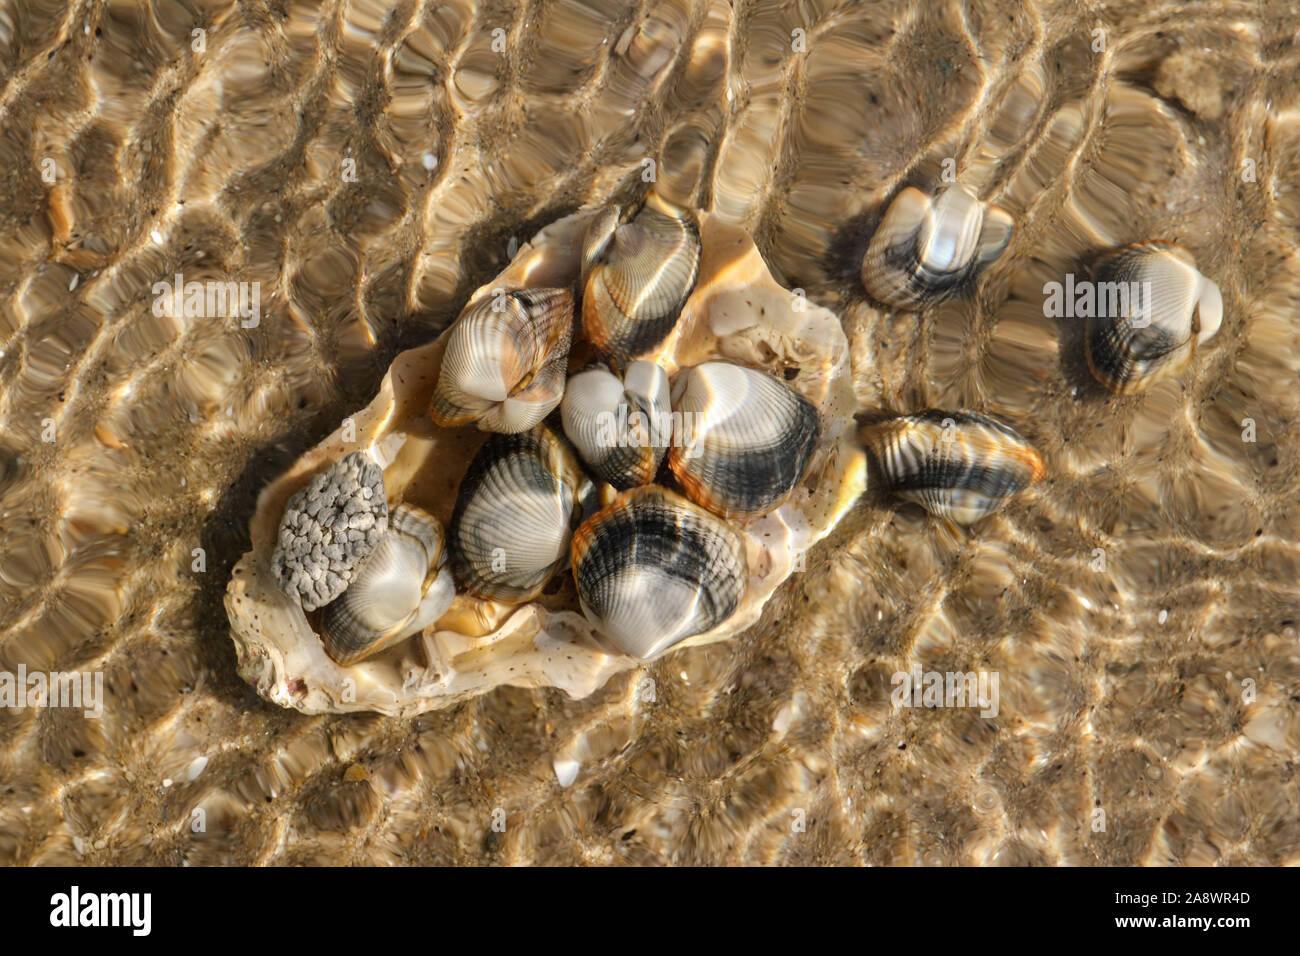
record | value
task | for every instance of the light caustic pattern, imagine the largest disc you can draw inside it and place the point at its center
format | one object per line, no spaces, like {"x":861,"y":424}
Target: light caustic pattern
{"x":369,"y":164}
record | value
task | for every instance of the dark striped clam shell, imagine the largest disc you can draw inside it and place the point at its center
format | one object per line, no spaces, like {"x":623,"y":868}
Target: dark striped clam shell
{"x":514,"y":516}
{"x":927,"y":248}
{"x":745,"y":438}
{"x":957,"y":465}
{"x":400,"y":589}
{"x":505,"y":361}
{"x":620,"y":427}
{"x":653,"y":569}
{"x":638,"y":273}
{"x":1152,"y":309}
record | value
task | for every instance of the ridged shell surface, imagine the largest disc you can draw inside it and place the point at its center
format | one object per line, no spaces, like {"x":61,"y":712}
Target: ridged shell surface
{"x":1151,"y":309}
{"x":620,"y":427}
{"x":514,"y":515}
{"x":653,"y":569}
{"x":926,"y":248}
{"x":959,"y":465}
{"x":505,"y":362}
{"x":637,"y":276}
{"x":396,"y":592}
{"x":745,"y":438}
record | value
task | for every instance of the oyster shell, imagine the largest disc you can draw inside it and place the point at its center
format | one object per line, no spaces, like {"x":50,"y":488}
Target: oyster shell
{"x":737,"y":311}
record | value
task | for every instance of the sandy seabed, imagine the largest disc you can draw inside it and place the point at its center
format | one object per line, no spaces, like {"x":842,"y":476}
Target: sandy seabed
{"x":369,"y":164}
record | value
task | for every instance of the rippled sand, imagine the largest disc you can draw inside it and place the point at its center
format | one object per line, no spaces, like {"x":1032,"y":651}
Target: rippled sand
{"x":1120,"y":691}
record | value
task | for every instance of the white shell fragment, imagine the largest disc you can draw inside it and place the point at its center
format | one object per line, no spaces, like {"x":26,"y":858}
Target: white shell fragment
{"x":620,"y":427}
{"x":736,"y":312}
{"x":505,"y":361}
{"x":746,"y":438}
{"x":927,"y":248}
{"x":328,"y":529}
{"x":1153,"y":308}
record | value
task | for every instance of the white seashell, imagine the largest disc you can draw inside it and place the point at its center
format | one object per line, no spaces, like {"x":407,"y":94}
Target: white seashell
{"x":958,"y":465}
{"x":328,"y":528}
{"x":505,"y":361}
{"x":746,"y":438}
{"x":637,"y":276}
{"x":620,"y":427}
{"x":400,"y":589}
{"x":927,"y":248}
{"x":515,"y":512}
{"x":653,"y":569}
{"x":1153,"y":329}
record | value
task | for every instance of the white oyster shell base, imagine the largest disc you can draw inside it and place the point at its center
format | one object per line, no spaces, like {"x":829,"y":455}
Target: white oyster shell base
{"x":738,"y":312}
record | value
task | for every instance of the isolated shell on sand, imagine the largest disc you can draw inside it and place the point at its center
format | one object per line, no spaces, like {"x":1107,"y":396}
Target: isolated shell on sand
{"x":736,"y":312}
{"x":653,"y":569}
{"x":1153,"y":309}
{"x":959,"y":465}
{"x":505,"y":361}
{"x":927,"y":248}
{"x":746,"y":438}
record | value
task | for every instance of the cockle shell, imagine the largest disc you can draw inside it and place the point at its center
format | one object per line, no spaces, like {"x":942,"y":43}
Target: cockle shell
{"x":515,"y":513}
{"x":620,"y":427}
{"x":958,"y":465}
{"x":505,"y":361}
{"x":926,"y":248}
{"x":329,"y":528}
{"x":737,"y":312}
{"x":637,"y":276}
{"x":400,"y":589}
{"x":746,"y":438}
{"x":653,"y":569}
{"x":1153,"y":308}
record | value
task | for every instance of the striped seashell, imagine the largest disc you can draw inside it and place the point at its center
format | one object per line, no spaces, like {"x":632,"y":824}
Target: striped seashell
{"x":1152,"y":309}
{"x":927,"y":248}
{"x":746,"y":438}
{"x":400,"y":589}
{"x":957,"y":465}
{"x":514,"y":516}
{"x":620,"y":427}
{"x":505,"y":362}
{"x":653,"y":569}
{"x":638,"y":272}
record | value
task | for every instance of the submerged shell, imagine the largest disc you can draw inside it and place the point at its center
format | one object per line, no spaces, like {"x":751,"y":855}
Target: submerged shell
{"x":515,"y":513}
{"x":399,"y":590}
{"x":1149,"y":298}
{"x":653,"y":569}
{"x":957,"y":465}
{"x":620,"y":427}
{"x":746,"y":438}
{"x":505,"y":362}
{"x":329,"y":528}
{"x":926,"y":248}
{"x":636,"y":277}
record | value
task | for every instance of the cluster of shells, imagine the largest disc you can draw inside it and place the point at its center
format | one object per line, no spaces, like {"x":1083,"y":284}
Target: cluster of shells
{"x":623,"y":445}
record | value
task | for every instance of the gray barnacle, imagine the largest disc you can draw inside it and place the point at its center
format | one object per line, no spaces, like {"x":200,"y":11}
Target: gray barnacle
{"x":329,"y":528}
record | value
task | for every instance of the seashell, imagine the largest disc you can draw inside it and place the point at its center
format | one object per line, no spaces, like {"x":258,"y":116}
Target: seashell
{"x":927,"y":248}
{"x":653,"y":569}
{"x":505,"y":361}
{"x":957,"y":465}
{"x":1153,"y":308}
{"x":746,"y":438}
{"x":515,"y":513}
{"x":400,"y":589}
{"x":636,"y":277}
{"x":620,"y":427}
{"x":328,"y":529}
